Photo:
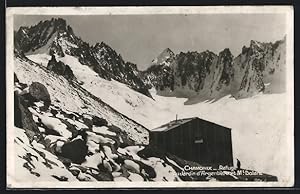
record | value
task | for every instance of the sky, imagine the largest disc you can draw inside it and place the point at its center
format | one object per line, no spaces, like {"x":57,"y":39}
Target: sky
{"x":141,"y":38}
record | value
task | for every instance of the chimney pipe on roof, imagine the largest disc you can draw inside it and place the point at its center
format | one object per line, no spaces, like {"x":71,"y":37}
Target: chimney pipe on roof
{"x":176,"y":117}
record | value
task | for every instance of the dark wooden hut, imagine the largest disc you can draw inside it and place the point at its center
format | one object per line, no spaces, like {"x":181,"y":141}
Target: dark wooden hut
{"x":196,"y":140}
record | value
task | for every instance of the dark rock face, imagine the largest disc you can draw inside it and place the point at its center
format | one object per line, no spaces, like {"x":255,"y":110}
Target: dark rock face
{"x":194,"y":66}
{"x":16,"y":78}
{"x":17,"y":111}
{"x":159,"y":76}
{"x":68,"y":74}
{"x":75,"y":150}
{"x":110,"y":65}
{"x":23,"y":117}
{"x":56,"y":66}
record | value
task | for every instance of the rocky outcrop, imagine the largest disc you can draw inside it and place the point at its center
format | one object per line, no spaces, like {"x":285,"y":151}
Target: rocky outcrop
{"x":60,"y":68}
{"x":22,"y":116}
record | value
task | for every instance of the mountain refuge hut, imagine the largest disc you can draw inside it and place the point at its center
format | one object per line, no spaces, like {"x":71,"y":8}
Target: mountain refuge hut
{"x":195,"y":139}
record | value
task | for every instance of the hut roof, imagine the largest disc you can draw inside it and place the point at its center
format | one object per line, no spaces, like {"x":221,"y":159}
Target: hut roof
{"x":175,"y":123}
{"x":172,"y":124}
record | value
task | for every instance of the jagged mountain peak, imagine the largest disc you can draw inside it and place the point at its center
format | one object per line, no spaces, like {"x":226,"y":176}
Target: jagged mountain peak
{"x":33,"y":39}
{"x":255,"y":44}
{"x":169,"y":51}
{"x":208,"y":52}
{"x":103,"y":46}
{"x":23,"y":29}
{"x":195,"y":54}
{"x":58,"y":23}
{"x":59,"y":20}
{"x":164,"y":58}
{"x":226,"y":52}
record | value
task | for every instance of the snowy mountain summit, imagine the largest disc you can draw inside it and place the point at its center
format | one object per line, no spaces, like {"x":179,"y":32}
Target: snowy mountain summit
{"x":56,"y":37}
{"x":206,"y":75}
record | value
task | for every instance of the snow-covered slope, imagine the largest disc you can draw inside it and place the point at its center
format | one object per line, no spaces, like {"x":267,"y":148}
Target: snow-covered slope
{"x":71,"y":96}
{"x":118,"y":95}
{"x":252,"y":120}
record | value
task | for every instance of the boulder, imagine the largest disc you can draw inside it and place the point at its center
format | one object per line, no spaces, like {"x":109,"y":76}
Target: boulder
{"x":122,"y":140}
{"x":85,"y":177}
{"x":107,"y":166}
{"x":40,"y":93}
{"x":54,"y":112}
{"x":132,"y":166}
{"x":135,"y":177}
{"x":121,"y":179}
{"x":150,"y":151}
{"x":74,"y":170}
{"x":75,"y":150}
{"x":70,"y":127}
{"x":88,"y":121}
{"x":147,"y":170}
{"x":60,"y":178}
{"x":99,"y":121}
{"x":104,"y":176}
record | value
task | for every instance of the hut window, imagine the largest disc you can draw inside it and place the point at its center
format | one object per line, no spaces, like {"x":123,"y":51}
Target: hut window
{"x":198,"y":137}
{"x":198,"y":140}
